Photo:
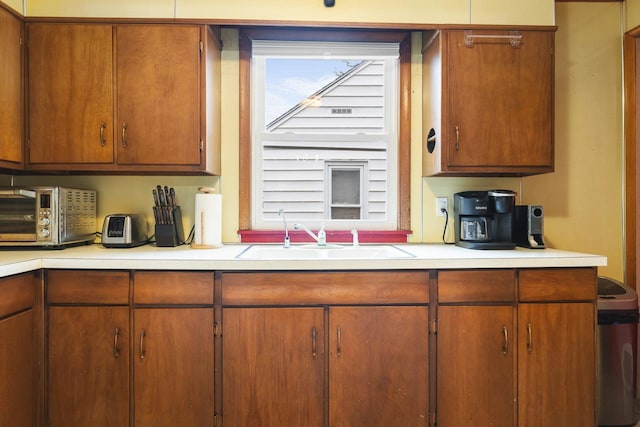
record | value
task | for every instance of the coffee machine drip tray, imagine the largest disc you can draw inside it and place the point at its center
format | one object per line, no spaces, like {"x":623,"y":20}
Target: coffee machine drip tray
{"x":485,"y":245}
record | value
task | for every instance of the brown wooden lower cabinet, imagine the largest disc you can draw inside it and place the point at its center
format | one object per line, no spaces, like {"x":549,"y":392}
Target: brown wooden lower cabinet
{"x":476,"y":366}
{"x":88,"y":366}
{"x":521,"y":358}
{"x":273,"y":366}
{"x":378,"y":366}
{"x":88,"y":340}
{"x":503,"y":347}
{"x":173,"y":367}
{"x":18,"y":394}
{"x":100,"y":373}
{"x":320,"y":363}
{"x":173,"y":357}
{"x":556,"y":361}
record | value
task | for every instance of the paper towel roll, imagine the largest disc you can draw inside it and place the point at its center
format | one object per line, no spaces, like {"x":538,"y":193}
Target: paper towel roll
{"x":208,"y":221}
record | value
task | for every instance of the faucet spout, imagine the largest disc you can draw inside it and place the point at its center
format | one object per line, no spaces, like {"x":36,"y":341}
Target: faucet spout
{"x":287,"y":241}
{"x":320,"y":238}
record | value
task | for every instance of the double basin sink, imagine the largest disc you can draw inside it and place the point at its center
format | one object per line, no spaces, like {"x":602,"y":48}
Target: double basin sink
{"x":279,"y":252}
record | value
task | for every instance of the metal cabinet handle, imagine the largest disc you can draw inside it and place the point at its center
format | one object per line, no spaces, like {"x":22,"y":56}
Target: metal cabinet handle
{"x":143,"y":352}
{"x":116,"y":349}
{"x":529,"y":338}
{"x":505,"y":343}
{"x":457,"y":138}
{"x":124,"y":138}
{"x":339,"y":348}
{"x":103,"y":126}
{"x":314,"y":355}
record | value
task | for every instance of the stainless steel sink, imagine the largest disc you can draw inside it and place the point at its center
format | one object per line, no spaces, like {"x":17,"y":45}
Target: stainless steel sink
{"x":275,"y":252}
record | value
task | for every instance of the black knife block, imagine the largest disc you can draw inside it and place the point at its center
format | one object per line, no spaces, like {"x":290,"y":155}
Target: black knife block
{"x":168,"y":235}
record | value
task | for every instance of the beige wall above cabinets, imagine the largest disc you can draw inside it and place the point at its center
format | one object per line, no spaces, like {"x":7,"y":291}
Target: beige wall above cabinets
{"x":405,"y":11}
{"x":512,"y":12}
{"x":632,"y":13}
{"x":101,"y":9}
{"x":15,"y":5}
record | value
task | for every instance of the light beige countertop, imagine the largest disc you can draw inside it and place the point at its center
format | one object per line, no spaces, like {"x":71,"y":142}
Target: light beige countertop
{"x":148,"y":257}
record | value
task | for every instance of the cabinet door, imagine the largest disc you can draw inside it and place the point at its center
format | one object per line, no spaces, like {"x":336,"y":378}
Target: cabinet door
{"x":556,"y":365}
{"x":88,"y":366}
{"x":11,"y":111}
{"x":158,"y":94}
{"x":476,"y":358}
{"x":500,"y":112}
{"x":274,"y":367}
{"x":378,"y":366}
{"x":17,"y":388}
{"x":70,"y":93}
{"x":173,"y":367}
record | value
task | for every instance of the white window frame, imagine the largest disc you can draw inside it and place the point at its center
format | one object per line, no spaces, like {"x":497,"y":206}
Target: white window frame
{"x":261,"y":49}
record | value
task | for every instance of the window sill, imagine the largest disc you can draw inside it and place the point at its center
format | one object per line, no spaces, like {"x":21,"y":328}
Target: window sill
{"x":333,"y":236}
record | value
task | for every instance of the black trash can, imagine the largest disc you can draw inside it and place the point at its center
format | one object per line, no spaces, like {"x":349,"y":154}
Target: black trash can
{"x":617,"y":337}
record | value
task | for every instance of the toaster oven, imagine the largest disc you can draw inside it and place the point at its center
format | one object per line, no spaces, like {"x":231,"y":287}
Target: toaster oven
{"x":47,"y":216}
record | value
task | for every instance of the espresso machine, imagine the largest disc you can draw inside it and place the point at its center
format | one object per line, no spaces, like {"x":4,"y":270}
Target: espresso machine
{"x":484,"y":219}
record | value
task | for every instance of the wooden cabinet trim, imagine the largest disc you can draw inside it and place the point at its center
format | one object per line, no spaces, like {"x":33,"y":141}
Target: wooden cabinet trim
{"x":173,"y":287}
{"x":456,"y":286}
{"x":557,"y":284}
{"x":302,"y":288}
{"x":87,"y":287}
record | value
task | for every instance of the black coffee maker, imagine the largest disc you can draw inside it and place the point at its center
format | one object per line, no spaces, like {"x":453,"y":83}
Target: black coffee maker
{"x":484,"y":219}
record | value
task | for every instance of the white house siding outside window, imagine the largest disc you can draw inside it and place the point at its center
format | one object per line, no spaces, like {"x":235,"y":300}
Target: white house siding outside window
{"x":325,"y":133}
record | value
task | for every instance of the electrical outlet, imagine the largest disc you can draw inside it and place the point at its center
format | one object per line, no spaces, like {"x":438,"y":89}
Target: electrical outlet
{"x":441,"y":203}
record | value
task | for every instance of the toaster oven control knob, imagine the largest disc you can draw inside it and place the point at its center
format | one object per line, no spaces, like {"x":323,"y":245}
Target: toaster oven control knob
{"x":44,"y":221}
{"x":45,"y":232}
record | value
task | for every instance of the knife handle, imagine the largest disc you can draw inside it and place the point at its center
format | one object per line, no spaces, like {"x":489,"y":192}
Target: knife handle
{"x":172,"y":194}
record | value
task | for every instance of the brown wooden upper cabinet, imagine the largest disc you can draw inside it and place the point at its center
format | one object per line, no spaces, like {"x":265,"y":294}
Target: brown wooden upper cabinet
{"x":123,"y":98}
{"x":487,"y":102}
{"x":11,"y":107}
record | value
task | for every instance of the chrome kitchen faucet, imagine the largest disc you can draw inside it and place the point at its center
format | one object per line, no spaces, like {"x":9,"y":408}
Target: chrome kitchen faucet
{"x":287,"y":242}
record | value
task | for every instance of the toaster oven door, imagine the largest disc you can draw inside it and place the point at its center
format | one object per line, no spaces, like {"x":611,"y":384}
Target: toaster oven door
{"x":18,"y":219}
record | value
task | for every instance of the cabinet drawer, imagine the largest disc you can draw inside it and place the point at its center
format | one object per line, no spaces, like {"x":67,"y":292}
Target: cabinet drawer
{"x":87,"y":287}
{"x":380,"y":287}
{"x":171,"y":287}
{"x":16,"y":293}
{"x":476,"y":286}
{"x":561,"y":284}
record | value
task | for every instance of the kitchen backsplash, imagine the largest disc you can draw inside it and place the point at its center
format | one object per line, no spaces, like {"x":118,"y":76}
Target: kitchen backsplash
{"x":128,"y":194}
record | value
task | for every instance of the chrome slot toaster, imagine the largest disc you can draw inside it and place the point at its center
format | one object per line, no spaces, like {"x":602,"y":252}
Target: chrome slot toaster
{"x":124,"y":231}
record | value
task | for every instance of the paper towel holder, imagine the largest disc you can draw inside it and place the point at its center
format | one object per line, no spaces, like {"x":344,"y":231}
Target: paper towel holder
{"x":199,"y":231}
